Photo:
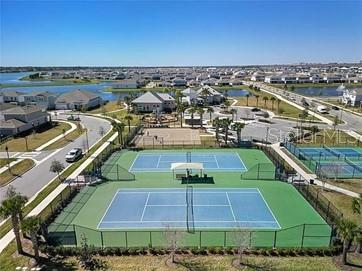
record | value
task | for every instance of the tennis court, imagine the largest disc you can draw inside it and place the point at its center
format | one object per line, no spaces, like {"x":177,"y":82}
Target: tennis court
{"x":205,"y":208}
{"x":343,"y":168}
{"x":332,"y":152}
{"x":161,"y":162}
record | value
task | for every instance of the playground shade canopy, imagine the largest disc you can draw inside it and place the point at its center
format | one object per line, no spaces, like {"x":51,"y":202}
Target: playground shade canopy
{"x":177,"y":166}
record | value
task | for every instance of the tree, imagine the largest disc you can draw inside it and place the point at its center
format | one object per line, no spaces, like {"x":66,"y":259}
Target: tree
{"x":192,"y":111}
{"x":227,"y":104}
{"x":238,"y":126}
{"x":314,"y":129}
{"x":63,"y":132}
{"x":56,"y":166}
{"x":247,"y":99}
{"x":12,"y":206}
{"x":210,"y":110}
{"x":173,"y":239}
{"x":201,"y":112}
{"x":265,"y":99}
{"x":292,"y":88}
{"x":216,"y":122}
{"x":225,"y":124}
{"x":205,"y":92}
{"x":85,"y":258}
{"x":120,"y":129}
{"x":128,"y":118}
{"x":243,"y":239}
{"x":181,"y":110}
{"x":357,"y":205}
{"x":272,"y":99}
{"x":31,"y":226}
{"x":127,"y":101}
{"x":233,"y":112}
{"x":257,"y":100}
{"x":346,"y":230}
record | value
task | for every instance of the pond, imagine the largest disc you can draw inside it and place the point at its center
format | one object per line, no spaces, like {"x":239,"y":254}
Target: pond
{"x":236,"y":92}
{"x":14,"y":78}
{"x":320,"y":91}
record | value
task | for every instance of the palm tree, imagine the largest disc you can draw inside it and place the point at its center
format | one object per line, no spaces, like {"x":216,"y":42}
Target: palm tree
{"x":227,"y":104}
{"x":272,"y":99}
{"x":216,"y":122}
{"x":346,"y":230}
{"x":192,"y":111}
{"x":247,"y":99}
{"x":205,"y":93}
{"x":210,"y":110}
{"x":257,"y":100}
{"x":201,"y":112}
{"x":357,"y":204}
{"x":119,"y":126}
{"x":12,"y":206}
{"x":265,"y":99}
{"x":127,"y":101}
{"x":128,"y":118}
{"x":238,"y":126}
{"x":225,"y":124}
{"x":31,"y":226}
{"x":233,"y":112}
{"x":181,"y":110}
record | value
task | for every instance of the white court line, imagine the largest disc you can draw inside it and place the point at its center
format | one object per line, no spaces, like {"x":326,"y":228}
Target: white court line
{"x":183,"y":205}
{"x":131,"y":167}
{"x":180,"y":192}
{"x":231,"y":208}
{"x":183,"y":221}
{"x":269,"y":208}
{"x":109,"y":205}
{"x":158,"y":162}
{"x":216,"y":161}
{"x":144,"y":208}
{"x":242,"y":162}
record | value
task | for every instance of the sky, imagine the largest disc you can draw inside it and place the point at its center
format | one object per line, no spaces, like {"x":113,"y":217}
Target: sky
{"x":178,"y":33}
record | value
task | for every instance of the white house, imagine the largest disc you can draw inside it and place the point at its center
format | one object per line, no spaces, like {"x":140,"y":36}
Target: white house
{"x":210,"y":95}
{"x":352,"y":97}
{"x":154,"y":102}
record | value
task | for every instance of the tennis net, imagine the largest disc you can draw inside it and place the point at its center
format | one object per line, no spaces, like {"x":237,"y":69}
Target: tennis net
{"x":190,"y":209}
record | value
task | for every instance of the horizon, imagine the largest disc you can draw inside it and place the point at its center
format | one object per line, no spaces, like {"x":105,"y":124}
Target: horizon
{"x":179,"y":34}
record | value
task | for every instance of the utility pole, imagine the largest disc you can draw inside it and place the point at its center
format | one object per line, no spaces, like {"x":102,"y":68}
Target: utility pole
{"x":7,"y":154}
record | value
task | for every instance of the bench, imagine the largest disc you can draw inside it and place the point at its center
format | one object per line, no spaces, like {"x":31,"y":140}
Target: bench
{"x":179,"y":176}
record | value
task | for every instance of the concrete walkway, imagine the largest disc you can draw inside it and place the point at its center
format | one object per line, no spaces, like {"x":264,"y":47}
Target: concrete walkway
{"x":9,"y":237}
{"x":73,"y":127}
{"x":307,"y":176}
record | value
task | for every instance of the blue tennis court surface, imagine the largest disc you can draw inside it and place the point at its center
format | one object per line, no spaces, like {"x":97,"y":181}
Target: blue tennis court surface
{"x":316,"y":152}
{"x":161,"y":162}
{"x":212,"y":208}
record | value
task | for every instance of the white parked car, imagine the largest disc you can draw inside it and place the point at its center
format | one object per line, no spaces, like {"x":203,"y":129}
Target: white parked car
{"x":74,"y":155}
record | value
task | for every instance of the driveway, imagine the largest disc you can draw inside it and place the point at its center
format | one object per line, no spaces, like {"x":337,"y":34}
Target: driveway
{"x":38,"y":177}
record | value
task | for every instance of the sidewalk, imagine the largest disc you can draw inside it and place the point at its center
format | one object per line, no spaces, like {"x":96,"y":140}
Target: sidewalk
{"x":5,"y":241}
{"x":309,"y":176}
{"x":73,"y":127}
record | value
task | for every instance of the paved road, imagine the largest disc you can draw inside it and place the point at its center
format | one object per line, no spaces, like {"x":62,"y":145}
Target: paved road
{"x":35,"y":179}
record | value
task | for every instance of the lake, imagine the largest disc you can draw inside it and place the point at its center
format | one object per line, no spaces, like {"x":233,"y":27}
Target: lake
{"x":14,"y":78}
{"x":320,"y":91}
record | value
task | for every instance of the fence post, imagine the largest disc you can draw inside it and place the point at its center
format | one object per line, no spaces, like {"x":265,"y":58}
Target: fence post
{"x":150,"y":243}
{"x":102,"y":239}
{"x":275,"y":239}
{"x":200,"y":240}
{"x":117,"y":173}
{"x":125,"y":233}
{"x":301,"y":245}
{"x":224,"y":238}
{"x":75,"y":236}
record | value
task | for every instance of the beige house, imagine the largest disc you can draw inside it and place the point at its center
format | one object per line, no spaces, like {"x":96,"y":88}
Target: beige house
{"x":154,"y":102}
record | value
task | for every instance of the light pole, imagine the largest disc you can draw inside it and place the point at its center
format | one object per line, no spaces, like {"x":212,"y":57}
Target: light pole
{"x":7,"y":154}
{"x":26,"y":143}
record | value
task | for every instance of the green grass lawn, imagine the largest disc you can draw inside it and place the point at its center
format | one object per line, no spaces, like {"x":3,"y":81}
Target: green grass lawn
{"x":89,"y":206}
{"x":16,"y":170}
{"x":4,"y":161}
{"x":67,"y":139}
{"x":120,"y":115}
{"x":329,"y":137}
{"x":108,"y":107}
{"x":35,"y":140}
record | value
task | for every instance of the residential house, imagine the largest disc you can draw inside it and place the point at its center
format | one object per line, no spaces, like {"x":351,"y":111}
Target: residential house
{"x":352,"y":97}
{"x":128,"y":83}
{"x":154,"y":102}
{"x":42,"y":99}
{"x":77,"y":100}
{"x":179,"y":82}
{"x":210,"y":95}
{"x":22,"y":118}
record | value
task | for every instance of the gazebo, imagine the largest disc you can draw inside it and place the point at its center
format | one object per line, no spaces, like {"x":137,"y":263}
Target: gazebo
{"x":187,"y":167}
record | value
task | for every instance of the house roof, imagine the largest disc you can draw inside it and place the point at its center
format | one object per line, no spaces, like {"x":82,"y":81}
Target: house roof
{"x":12,"y":123}
{"x":189,"y":91}
{"x":210,"y":89}
{"x":11,"y":93}
{"x":153,"y":97}
{"x":23,"y":110}
{"x":77,"y":96}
